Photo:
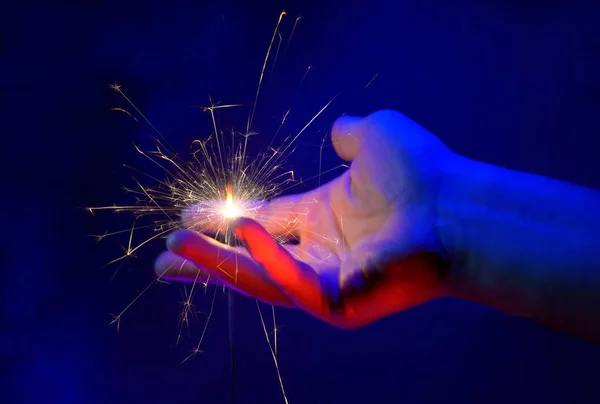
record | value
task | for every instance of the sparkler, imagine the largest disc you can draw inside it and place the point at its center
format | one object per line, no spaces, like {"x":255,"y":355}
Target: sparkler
{"x":205,"y":193}
{"x":230,"y":211}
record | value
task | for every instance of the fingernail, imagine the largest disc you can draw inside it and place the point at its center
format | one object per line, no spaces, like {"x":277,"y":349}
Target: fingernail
{"x":174,"y":241}
{"x":161,"y":264}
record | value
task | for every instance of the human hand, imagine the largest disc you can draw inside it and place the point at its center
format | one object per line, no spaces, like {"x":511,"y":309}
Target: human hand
{"x":369,"y":242}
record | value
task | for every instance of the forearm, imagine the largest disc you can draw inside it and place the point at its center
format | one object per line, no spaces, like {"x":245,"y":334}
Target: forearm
{"x":524,"y":244}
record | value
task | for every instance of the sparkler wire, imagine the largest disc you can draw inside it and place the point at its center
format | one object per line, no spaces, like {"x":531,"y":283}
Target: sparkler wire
{"x":230,"y":292}
{"x":230,"y":313}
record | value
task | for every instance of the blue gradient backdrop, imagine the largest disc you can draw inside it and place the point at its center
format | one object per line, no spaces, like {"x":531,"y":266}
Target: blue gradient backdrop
{"x":514,"y":83}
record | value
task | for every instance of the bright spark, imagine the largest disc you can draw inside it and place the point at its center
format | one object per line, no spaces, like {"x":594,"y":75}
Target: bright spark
{"x":219,"y":182}
{"x":231,"y":210}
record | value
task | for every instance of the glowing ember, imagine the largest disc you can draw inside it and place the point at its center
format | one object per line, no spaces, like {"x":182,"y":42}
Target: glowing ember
{"x":230,"y":210}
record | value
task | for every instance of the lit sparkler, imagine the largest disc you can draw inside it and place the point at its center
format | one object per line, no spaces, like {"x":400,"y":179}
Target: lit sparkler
{"x":205,"y":193}
{"x":230,"y":211}
{"x":219,"y":183}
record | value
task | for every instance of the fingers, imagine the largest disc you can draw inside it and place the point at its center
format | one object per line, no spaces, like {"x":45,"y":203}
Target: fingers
{"x":279,"y":217}
{"x":375,"y":288}
{"x":171,"y":267}
{"x":317,"y":293}
{"x":230,"y":265}
{"x":345,"y":136}
{"x":294,"y":278}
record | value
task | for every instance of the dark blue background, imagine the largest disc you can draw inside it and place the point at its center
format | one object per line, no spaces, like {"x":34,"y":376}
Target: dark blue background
{"x":514,"y":83}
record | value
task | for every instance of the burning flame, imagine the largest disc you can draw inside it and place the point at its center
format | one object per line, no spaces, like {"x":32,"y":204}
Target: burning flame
{"x":230,"y":210}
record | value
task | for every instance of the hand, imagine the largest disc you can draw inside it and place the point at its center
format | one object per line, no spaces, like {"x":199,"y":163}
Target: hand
{"x":369,"y":242}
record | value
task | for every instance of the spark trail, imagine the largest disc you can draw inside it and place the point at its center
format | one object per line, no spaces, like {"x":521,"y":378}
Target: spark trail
{"x":217,"y":182}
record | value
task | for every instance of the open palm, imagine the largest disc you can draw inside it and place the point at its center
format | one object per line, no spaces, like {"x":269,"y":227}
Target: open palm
{"x":368,"y":240}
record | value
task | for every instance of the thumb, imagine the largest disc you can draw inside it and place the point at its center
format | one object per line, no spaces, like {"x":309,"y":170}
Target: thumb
{"x":345,"y":136}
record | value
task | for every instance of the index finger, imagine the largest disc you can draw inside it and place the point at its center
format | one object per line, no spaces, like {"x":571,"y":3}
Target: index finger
{"x":230,"y":265}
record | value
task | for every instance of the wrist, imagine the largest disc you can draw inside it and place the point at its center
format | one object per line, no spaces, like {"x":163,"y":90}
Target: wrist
{"x":464,"y":200}
{"x":495,"y":227}
{"x":521,"y":243}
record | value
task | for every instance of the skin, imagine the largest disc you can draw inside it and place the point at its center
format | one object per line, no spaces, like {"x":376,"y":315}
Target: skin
{"x":408,"y":222}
